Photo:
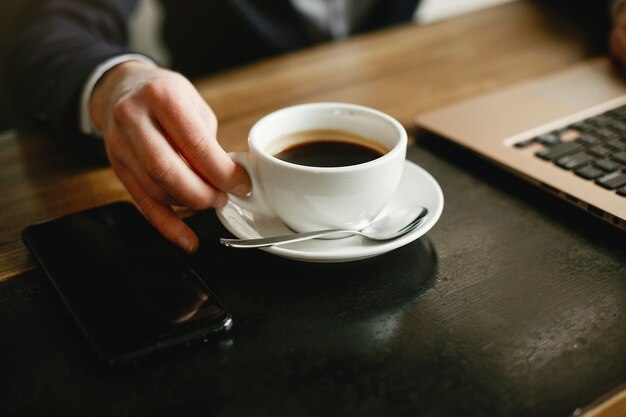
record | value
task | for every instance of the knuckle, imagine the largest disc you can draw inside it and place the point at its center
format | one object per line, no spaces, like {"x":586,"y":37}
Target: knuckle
{"x":159,"y":169}
{"x":221,"y":182}
{"x":164,"y":93}
{"x":200,"y":202}
{"x":175,"y":78}
{"x":156,"y":89}
{"x":194,"y":143}
{"x":162,"y":87}
{"x":123,"y":112}
{"x":158,"y":194}
{"x":147,"y":205}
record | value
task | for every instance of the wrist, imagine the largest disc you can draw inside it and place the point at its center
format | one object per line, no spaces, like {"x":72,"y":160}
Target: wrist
{"x":109,"y":87}
{"x":85,"y":121}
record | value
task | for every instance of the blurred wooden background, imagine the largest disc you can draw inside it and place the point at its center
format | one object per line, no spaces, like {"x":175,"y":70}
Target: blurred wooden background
{"x":145,"y":36}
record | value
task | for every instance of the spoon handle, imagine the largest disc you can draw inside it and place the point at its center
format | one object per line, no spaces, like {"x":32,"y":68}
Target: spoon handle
{"x":279,"y":240}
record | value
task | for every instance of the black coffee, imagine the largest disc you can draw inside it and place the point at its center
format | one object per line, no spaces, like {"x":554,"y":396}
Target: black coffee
{"x":330,"y":152}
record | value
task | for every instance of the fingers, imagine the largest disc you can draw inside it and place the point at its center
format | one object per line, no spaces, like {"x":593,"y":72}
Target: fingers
{"x":162,"y":217}
{"x":194,"y":134}
{"x":120,"y":153}
{"x":160,"y":137}
{"x":153,"y":161}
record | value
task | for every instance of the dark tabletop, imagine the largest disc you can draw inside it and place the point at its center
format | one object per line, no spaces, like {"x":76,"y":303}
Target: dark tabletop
{"x":514,"y":304}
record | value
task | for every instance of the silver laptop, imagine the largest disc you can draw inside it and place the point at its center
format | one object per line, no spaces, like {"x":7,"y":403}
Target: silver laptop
{"x":565,"y":132}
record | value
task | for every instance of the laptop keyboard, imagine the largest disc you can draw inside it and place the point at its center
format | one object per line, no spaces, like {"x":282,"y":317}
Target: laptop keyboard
{"x":594,"y":149}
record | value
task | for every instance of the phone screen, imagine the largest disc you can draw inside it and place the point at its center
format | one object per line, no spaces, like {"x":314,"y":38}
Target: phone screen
{"x":129,"y":289}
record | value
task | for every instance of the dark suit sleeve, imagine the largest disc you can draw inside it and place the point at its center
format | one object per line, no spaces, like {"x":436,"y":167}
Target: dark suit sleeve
{"x":57,"y":44}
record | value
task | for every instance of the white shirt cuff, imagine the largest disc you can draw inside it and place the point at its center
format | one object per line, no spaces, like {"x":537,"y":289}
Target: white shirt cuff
{"x":86,"y":124}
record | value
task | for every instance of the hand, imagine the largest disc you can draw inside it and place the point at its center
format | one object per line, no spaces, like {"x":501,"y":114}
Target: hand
{"x":160,"y":138}
{"x":618,"y":35}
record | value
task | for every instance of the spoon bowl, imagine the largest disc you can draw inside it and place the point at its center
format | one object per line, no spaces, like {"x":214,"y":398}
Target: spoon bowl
{"x":388,"y":227}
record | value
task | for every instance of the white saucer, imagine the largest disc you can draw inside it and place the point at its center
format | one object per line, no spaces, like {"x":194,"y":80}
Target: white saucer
{"x":417,"y":187}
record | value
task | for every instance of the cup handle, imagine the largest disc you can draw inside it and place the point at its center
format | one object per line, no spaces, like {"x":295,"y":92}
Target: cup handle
{"x":253,"y":201}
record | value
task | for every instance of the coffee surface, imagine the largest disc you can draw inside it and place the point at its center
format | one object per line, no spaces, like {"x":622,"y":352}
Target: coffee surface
{"x":330,"y":149}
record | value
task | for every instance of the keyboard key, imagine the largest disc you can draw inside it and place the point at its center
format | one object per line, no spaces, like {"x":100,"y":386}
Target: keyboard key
{"x":559,"y":150}
{"x":619,"y":127}
{"x":574,"y":161}
{"x":589,"y":172}
{"x":594,"y":149}
{"x":616,"y":144}
{"x":605,"y":133}
{"x":579,"y":126}
{"x":606,"y":164}
{"x":613,"y":180}
{"x":600,"y":151}
{"x":548,"y":139}
{"x":621,"y":111}
{"x":524,"y":143}
{"x":588,"y":140}
{"x":602,"y":120}
{"x":620,"y":157}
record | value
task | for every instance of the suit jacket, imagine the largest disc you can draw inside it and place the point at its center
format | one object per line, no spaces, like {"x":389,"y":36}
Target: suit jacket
{"x":60,"y":42}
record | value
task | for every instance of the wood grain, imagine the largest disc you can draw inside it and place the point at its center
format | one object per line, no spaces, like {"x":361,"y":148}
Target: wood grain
{"x":402,"y":71}
{"x":611,"y":405}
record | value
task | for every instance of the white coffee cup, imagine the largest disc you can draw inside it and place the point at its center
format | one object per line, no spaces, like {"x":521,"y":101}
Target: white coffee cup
{"x":310,"y":198}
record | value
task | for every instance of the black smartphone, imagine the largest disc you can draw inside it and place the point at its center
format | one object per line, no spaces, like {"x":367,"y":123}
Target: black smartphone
{"x":130,"y":291}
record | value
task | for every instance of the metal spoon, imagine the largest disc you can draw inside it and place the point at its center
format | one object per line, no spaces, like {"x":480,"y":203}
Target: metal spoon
{"x":388,"y":227}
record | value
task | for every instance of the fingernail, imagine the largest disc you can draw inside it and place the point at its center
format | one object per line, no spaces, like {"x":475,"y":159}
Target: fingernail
{"x":242,"y":190}
{"x":185,"y":244}
{"x":221,"y":200}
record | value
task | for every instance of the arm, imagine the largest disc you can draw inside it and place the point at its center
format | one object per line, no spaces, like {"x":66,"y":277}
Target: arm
{"x":159,"y":134}
{"x":160,"y":138}
{"x":56,"y":46}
